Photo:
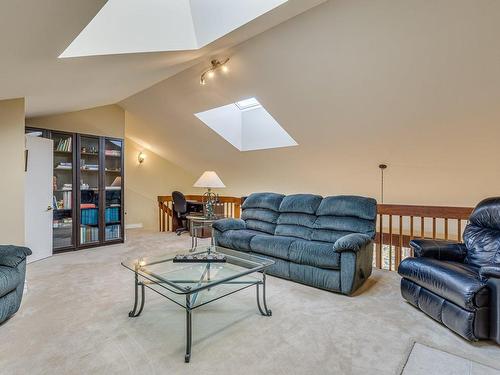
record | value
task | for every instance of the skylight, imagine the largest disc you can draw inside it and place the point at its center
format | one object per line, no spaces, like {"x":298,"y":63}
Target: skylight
{"x":247,"y":125}
{"x":247,"y":104}
{"x":131,"y":26}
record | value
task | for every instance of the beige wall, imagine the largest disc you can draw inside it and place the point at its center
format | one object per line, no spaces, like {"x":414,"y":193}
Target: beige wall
{"x":144,"y":182}
{"x":12,"y":159}
{"x":108,"y":121}
{"x":414,"y":84}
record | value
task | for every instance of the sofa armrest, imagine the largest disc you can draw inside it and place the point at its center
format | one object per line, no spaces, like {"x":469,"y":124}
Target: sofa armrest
{"x":352,"y":242}
{"x":12,"y":256}
{"x":224,"y":225}
{"x":439,"y":249}
{"x":491,"y":271}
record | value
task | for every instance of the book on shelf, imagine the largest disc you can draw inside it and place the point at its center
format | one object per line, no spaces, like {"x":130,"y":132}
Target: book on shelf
{"x":113,"y":232}
{"x":64,"y":145}
{"x":112,"y":152}
{"x":62,"y":165}
{"x":89,"y":234}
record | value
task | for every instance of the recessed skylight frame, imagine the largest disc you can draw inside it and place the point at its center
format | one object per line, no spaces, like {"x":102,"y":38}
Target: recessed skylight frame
{"x":250,"y":103}
{"x":246,"y":125}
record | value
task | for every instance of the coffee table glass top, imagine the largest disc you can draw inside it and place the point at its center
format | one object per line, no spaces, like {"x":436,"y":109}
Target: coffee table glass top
{"x":192,"y":278}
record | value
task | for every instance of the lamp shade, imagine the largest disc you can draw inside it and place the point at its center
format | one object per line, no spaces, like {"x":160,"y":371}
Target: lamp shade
{"x":209,"y":179}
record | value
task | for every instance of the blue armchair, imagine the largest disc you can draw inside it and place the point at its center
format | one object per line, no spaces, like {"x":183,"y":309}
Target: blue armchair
{"x":12,"y":275}
{"x":458,"y":284}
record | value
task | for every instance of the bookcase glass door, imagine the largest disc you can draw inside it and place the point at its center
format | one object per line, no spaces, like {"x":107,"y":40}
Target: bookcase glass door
{"x":89,"y":190}
{"x":62,"y":187}
{"x":113,"y":189}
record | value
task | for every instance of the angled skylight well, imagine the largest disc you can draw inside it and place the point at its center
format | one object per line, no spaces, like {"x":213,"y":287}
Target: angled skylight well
{"x":133,"y":26}
{"x":247,"y":125}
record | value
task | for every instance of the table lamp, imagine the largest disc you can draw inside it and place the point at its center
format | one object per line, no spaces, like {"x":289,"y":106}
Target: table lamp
{"x":209,"y":180}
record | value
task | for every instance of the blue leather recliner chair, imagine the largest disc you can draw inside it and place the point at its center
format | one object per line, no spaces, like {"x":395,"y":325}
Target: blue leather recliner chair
{"x":12,"y":275}
{"x":458,"y":284}
{"x":323,"y":242}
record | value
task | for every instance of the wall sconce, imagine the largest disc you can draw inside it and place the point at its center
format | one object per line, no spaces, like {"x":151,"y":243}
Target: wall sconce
{"x":141,"y":157}
{"x":210,"y":72}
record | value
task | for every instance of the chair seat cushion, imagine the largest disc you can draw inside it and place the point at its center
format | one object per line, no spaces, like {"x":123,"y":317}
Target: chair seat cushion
{"x":315,"y":253}
{"x":275,"y":246}
{"x":237,"y":239}
{"x":457,"y":282}
{"x":9,"y":280}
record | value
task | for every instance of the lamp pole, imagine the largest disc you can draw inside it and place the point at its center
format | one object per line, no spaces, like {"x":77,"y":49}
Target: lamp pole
{"x":382,"y":168}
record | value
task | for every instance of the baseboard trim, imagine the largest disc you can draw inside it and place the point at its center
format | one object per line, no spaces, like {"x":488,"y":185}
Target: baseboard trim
{"x":133,"y":226}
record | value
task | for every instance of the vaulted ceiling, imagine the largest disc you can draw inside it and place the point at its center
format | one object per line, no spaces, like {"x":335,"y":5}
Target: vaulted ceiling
{"x":33,"y":33}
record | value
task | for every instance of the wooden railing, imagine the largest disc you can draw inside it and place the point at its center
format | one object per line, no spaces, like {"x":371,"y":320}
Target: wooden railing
{"x":231,"y":207}
{"x":399,"y":224}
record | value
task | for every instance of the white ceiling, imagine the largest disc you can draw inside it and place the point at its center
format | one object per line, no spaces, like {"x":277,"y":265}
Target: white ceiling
{"x":34,"y":33}
{"x":132,"y":26}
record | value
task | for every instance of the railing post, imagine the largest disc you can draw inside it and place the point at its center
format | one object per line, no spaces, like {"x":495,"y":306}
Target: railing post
{"x":380,"y":243}
{"x":237,"y":210}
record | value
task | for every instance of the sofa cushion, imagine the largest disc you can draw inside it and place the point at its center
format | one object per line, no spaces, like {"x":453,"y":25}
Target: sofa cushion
{"x":275,"y":246}
{"x":343,"y":215}
{"x":261,"y":226}
{"x":297,"y":231}
{"x":348,"y":205}
{"x":236,"y":239}
{"x":314,"y":253}
{"x":270,"y":201}
{"x":9,"y":279}
{"x":289,"y":218}
{"x":325,"y":235}
{"x":300,"y":203}
{"x":457,"y":282}
{"x":262,"y":214}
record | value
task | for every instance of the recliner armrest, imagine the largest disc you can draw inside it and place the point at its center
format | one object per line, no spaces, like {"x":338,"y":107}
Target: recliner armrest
{"x":352,"y":242}
{"x":439,"y":249}
{"x":491,"y":271}
{"x":11,"y":256}
{"x":224,"y":225}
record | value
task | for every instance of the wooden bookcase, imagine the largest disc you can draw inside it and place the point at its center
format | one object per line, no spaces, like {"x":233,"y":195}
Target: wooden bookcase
{"x":88,"y":189}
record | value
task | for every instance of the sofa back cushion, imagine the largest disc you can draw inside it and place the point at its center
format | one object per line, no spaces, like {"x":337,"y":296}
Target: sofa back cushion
{"x":342,"y":215}
{"x":482,"y":234}
{"x":261,"y":211}
{"x":297,"y":215}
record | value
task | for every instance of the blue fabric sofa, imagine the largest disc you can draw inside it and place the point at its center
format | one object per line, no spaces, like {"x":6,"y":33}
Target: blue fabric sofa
{"x":12,"y":275}
{"x":323,"y":242}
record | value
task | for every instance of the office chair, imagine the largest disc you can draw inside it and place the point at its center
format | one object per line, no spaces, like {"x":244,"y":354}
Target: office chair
{"x":181,"y":211}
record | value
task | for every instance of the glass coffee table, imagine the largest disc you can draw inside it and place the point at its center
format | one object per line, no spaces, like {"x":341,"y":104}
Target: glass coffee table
{"x":192,"y":285}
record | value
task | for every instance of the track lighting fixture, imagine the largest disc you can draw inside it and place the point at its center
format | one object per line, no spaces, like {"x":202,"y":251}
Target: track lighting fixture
{"x":210,"y":72}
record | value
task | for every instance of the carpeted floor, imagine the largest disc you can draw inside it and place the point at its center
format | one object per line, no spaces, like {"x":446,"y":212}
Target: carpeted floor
{"x":74,"y":320}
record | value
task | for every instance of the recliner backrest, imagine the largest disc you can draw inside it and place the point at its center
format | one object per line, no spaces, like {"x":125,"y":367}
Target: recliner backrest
{"x":298,"y":215}
{"x":482,"y":233}
{"x":261,"y":211}
{"x":344,"y":214}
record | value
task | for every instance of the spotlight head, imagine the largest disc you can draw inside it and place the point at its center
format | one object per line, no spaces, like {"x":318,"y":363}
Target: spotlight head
{"x":225,"y":69}
{"x":211,"y":74}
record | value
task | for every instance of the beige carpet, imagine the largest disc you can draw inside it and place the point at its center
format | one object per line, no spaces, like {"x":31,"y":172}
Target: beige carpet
{"x":73,"y":320}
